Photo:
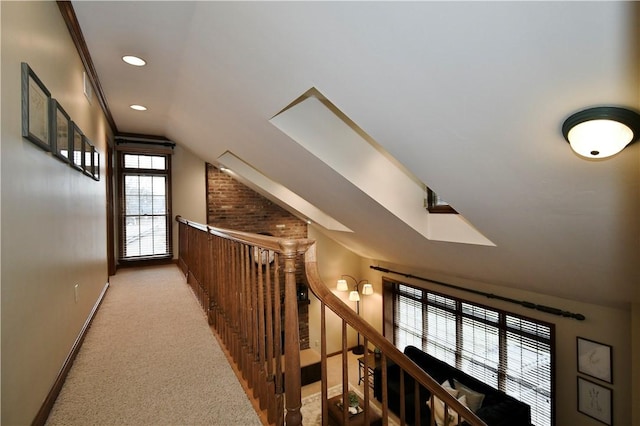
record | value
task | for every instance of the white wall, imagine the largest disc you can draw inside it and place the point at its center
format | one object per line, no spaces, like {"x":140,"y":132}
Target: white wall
{"x":188,"y":192}
{"x":53,"y":217}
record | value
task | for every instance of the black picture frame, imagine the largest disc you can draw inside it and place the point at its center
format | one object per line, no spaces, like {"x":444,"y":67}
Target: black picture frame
{"x":96,"y":164}
{"x":60,"y":131}
{"x":36,"y":101}
{"x":75,"y":147}
{"x":595,"y":401}
{"x":87,"y":156}
{"x":594,"y":359}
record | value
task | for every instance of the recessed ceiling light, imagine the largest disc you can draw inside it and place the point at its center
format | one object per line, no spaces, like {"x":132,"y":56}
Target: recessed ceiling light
{"x":134,"y":60}
{"x":138,"y":107}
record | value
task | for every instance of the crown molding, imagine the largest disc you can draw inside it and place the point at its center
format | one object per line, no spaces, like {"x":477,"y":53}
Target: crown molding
{"x":70,"y":18}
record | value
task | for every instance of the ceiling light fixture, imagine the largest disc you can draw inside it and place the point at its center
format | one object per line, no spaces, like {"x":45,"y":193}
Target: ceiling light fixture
{"x":138,"y":107}
{"x":134,"y":60}
{"x":601,"y":132}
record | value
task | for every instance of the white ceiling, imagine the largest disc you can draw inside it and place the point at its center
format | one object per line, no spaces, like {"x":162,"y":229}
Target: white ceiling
{"x":468,"y":96}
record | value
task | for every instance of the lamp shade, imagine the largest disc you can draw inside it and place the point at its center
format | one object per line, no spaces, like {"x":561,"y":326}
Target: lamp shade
{"x":602,"y":131}
{"x":354,"y":296}
{"x":342,"y":285}
{"x":367,"y":289}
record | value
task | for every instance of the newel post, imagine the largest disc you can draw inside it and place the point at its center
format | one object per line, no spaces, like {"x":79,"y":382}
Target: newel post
{"x":290,"y":249}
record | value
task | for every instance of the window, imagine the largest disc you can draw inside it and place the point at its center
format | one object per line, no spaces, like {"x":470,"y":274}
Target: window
{"x":507,"y":351}
{"x":435,"y":204}
{"x":145,"y":219}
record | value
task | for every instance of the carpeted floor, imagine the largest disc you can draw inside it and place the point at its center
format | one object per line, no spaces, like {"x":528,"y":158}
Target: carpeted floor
{"x":150,"y":358}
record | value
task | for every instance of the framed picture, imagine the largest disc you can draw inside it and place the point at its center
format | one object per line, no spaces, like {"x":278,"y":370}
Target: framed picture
{"x":96,"y":164}
{"x":60,"y":131}
{"x":87,"y":156}
{"x":75,"y":147}
{"x":35,"y":109}
{"x":595,"y":401}
{"x":594,"y":359}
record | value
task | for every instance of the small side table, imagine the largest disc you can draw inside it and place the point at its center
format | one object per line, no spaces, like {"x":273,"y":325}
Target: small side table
{"x":367,"y":375}
{"x":335,"y":414}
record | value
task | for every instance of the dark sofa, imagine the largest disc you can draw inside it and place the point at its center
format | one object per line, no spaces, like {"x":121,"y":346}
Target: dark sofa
{"x":497,"y":409}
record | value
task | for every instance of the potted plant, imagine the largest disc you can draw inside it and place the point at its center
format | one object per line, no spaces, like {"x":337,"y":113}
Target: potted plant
{"x":353,"y":399}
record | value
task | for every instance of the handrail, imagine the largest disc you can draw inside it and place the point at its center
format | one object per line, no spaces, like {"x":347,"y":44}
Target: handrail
{"x":238,"y":292}
{"x":264,"y":241}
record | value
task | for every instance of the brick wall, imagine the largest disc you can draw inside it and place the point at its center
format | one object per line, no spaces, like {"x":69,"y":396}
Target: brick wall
{"x":232,"y":205}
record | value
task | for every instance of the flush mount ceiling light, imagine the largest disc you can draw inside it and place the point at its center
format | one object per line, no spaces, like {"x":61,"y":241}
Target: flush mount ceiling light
{"x":138,"y":107}
{"x":134,"y":60}
{"x":601,"y":132}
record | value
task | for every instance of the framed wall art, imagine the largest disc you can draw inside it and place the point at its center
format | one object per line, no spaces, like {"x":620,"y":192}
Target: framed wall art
{"x":595,"y":401}
{"x":60,"y":131}
{"x":35,"y":109}
{"x":96,"y":164}
{"x":75,"y":147}
{"x":594,"y":359}
{"x":87,"y":156}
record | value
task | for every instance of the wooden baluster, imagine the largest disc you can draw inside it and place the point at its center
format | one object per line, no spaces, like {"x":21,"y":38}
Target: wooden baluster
{"x":212,"y":281}
{"x":366,"y":381}
{"x":244,"y":315}
{"x":345,"y":375}
{"x":227,"y":292}
{"x":230,"y":310}
{"x":232,"y":303}
{"x":252,"y":338}
{"x":216,"y":283}
{"x":416,"y":401}
{"x":270,"y":342}
{"x":237,"y":305}
{"x":256,"y":319}
{"x":261,"y":330}
{"x":402,"y":397}
{"x":385,"y":396}
{"x":242,"y":329}
{"x":277,"y":310}
{"x":323,"y":365}
{"x":291,"y":336}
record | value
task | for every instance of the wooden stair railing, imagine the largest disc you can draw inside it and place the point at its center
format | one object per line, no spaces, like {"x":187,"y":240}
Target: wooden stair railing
{"x":244,"y":283}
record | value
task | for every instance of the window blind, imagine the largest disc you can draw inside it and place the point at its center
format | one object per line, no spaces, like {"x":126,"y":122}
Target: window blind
{"x":441,"y":328}
{"x":408,"y":321}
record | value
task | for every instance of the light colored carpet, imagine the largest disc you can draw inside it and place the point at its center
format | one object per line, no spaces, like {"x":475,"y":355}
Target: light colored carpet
{"x":150,"y":358}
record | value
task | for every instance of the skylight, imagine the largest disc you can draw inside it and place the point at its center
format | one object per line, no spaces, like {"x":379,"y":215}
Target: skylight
{"x":318,"y":126}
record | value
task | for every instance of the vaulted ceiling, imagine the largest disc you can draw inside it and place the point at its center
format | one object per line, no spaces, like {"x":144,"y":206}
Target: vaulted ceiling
{"x":466,"y":97}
